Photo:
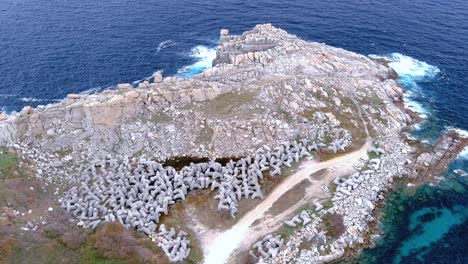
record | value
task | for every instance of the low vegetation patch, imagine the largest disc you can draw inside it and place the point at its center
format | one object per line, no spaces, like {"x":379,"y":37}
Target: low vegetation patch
{"x":7,"y":246}
{"x":333,"y":225}
{"x":113,"y":243}
{"x":327,"y":204}
{"x":286,"y":231}
{"x":8,"y":162}
{"x":226,"y":103}
{"x":372,"y":155}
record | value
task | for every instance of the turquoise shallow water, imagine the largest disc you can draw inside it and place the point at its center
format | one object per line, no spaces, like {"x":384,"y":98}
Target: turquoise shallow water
{"x":428,"y":224}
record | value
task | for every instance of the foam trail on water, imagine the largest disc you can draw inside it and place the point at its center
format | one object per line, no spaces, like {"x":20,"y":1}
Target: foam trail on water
{"x":412,"y":68}
{"x":410,"y":72}
{"x":463,"y":154}
{"x":30,"y":99}
{"x":165,"y":44}
{"x":415,"y":106}
{"x":411,"y":103}
{"x":204,"y":57}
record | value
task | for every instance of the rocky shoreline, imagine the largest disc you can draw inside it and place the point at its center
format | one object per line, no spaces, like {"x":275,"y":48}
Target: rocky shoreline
{"x":271,"y":99}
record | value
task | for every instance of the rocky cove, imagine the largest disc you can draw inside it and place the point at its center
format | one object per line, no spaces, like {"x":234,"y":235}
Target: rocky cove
{"x":289,"y":109}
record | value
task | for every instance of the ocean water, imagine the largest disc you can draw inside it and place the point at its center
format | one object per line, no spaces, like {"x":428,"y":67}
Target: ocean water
{"x":429,"y":224}
{"x":51,"y":48}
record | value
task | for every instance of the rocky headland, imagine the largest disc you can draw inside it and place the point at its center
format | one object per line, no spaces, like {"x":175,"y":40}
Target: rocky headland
{"x":285,"y":147}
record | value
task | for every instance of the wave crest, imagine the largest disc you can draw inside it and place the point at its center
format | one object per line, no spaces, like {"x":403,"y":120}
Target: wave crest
{"x":410,"y":72}
{"x":30,"y":99}
{"x":204,"y":58}
{"x":409,"y":67}
{"x":165,"y":44}
{"x":461,"y":132}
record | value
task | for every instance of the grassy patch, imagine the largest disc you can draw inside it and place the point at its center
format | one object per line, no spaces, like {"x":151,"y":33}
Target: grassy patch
{"x":286,"y":231}
{"x":333,"y":225}
{"x":372,"y":155}
{"x":327,"y":139}
{"x":307,"y":207}
{"x":332,"y":188}
{"x":8,"y":162}
{"x":89,"y":255}
{"x":226,"y":103}
{"x":327,"y":204}
{"x":112,"y":243}
{"x":7,"y":247}
{"x":269,"y":183}
{"x":176,"y":219}
{"x":308,"y":114}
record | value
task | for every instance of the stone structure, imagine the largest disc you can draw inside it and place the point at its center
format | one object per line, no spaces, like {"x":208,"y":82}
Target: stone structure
{"x":266,"y":90}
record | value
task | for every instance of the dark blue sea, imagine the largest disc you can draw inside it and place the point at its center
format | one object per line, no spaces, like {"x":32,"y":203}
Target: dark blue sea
{"x":49,"y":48}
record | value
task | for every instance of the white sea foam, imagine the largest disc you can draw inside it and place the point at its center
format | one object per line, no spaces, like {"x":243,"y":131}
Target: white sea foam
{"x":417,"y":126}
{"x":91,"y":90}
{"x":461,"y":132}
{"x":30,"y":99}
{"x":405,"y":65}
{"x":411,"y":103}
{"x":204,"y":57}
{"x":408,"y":66}
{"x":8,"y":95}
{"x":165,"y":44}
{"x":463,"y":154}
{"x":410,"y":71}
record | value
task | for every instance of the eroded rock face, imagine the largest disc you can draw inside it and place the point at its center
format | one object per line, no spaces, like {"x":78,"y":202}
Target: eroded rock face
{"x":432,"y":163}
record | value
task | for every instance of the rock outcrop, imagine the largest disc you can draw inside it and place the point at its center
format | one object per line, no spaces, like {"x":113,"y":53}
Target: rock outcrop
{"x":429,"y":164}
{"x":267,"y":86}
{"x":270,"y":98}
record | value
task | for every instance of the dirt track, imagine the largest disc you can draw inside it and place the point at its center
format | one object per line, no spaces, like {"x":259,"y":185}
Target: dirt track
{"x":243,"y":233}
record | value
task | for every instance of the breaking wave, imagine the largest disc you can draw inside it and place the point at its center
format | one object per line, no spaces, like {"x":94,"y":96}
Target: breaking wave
{"x":204,"y":58}
{"x":411,"y":72}
{"x":461,"y":132}
{"x":463,"y":154}
{"x":31,"y":99}
{"x":414,"y":105}
{"x":408,"y":67}
{"x":91,"y":90}
{"x":165,"y":44}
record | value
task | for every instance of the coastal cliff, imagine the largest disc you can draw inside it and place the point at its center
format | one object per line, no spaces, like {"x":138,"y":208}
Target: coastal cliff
{"x":270,"y":98}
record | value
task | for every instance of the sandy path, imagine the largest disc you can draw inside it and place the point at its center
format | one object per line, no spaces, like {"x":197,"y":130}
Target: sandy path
{"x":241,"y":234}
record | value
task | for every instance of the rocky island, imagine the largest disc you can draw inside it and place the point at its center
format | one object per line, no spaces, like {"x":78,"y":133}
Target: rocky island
{"x":282,"y":152}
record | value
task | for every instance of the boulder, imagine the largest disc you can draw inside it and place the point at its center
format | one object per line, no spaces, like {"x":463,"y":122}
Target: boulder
{"x":73,"y":96}
{"x":124,"y":86}
{"x":3,"y":116}
{"x":224,"y":32}
{"x":158,"y":77}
